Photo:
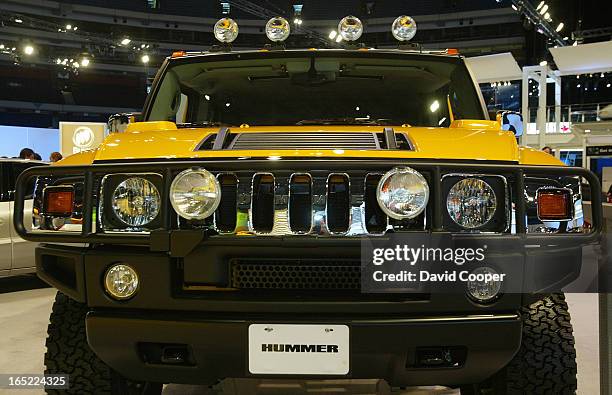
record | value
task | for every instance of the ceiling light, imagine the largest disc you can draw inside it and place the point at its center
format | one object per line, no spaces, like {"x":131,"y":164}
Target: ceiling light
{"x":607,"y":86}
{"x":544,"y":9}
{"x":547,"y":17}
{"x":28,"y":50}
{"x":333,"y":34}
{"x":145,"y":59}
{"x":560,"y":27}
{"x":434,"y":106}
{"x":540,"y":5}
{"x":514,"y":7}
{"x":125,"y":41}
{"x":85,"y":62}
{"x":18,"y":20}
{"x":68,"y":27}
{"x":543,"y":63}
{"x":338,"y":38}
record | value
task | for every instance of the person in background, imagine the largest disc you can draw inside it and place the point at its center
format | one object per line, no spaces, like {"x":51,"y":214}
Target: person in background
{"x":27,"y":153}
{"x":37,"y":156}
{"x":55,"y":157}
{"x":548,"y":150}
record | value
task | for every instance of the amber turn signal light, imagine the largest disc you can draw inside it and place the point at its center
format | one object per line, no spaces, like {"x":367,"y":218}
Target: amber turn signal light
{"x":58,"y":201}
{"x":554,"y":204}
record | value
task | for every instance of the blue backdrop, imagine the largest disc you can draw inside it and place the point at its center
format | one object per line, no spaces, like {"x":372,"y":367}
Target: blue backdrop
{"x":14,"y":138}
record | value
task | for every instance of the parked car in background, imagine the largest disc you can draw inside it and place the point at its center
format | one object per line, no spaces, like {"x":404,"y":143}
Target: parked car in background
{"x":16,"y":254}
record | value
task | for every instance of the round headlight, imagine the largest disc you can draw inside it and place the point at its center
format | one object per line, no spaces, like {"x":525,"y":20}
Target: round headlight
{"x":350,"y":28}
{"x":402,"y":193}
{"x":136,"y":201}
{"x":278,"y":29}
{"x":471,"y":203}
{"x":121,"y":281}
{"x":195,"y":194}
{"x":404,"y":28}
{"x":483,"y":284}
{"x":226,"y":30}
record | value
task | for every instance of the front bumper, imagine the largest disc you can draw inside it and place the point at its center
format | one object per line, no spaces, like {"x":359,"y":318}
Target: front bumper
{"x":379,"y":348}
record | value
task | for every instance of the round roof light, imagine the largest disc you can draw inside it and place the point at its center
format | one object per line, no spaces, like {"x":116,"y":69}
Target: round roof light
{"x":278,"y":29}
{"x":226,"y":30}
{"x":350,"y":28}
{"x":404,"y":28}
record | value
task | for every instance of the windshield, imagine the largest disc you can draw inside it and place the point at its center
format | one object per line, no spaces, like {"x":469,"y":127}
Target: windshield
{"x":315,"y":89}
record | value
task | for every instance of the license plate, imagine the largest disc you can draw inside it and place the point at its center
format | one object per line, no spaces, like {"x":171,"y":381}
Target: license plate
{"x":299,"y":349}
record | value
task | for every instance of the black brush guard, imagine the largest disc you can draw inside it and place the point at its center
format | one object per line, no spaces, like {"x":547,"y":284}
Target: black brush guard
{"x":166,"y":239}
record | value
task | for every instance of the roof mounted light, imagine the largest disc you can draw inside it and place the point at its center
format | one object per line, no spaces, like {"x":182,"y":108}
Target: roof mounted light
{"x":226,"y":30}
{"x":350,"y":28}
{"x":278,"y":29}
{"x":404,"y":28}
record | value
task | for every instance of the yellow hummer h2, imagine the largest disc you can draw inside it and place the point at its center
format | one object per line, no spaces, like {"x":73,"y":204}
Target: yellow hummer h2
{"x":223,"y":230}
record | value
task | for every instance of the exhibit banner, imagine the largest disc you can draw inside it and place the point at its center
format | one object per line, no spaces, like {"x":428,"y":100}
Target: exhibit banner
{"x":80,"y":136}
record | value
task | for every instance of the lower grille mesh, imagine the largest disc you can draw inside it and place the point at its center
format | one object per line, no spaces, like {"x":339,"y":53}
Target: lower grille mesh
{"x":316,"y":275}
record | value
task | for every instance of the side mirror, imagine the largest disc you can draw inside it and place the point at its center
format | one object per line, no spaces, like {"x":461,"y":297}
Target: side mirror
{"x":511,"y":121}
{"x":118,"y":122}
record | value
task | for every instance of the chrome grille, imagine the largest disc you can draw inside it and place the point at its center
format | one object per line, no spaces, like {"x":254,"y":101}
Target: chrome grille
{"x":302,"y":140}
{"x":304,"y":203}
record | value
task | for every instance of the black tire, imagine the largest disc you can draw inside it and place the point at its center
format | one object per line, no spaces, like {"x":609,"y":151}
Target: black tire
{"x":546,"y":361}
{"x":68,"y":353}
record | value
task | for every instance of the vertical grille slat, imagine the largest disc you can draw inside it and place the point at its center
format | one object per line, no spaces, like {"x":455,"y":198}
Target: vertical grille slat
{"x":375,"y":219}
{"x":300,"y":203}
{"x":225,"y":216}
{"x":338,"y":203}
{"x":262,"y":206}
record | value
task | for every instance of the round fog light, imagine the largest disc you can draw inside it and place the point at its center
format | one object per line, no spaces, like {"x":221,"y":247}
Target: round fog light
{"x":483,"y":284}
{"x":121,"y":281}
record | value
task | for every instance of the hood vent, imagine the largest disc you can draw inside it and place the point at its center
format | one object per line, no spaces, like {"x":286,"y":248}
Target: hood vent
{"x":305,"y":140}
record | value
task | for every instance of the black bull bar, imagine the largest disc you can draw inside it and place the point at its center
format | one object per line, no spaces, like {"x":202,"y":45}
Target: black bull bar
{"x":158,"y":239}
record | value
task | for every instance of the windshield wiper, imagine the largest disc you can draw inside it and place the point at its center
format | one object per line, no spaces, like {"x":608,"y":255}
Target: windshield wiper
{"x":200,"y":124}
{"x":346,"y":121}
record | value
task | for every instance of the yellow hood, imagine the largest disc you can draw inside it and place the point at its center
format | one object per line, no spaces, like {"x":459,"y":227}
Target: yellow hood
{"x":464,"y":140}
